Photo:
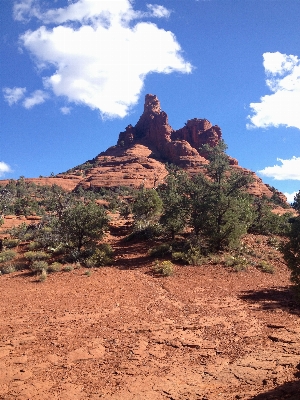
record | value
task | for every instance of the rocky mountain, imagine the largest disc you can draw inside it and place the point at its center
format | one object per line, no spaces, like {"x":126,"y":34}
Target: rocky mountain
{"x":142,"y":151}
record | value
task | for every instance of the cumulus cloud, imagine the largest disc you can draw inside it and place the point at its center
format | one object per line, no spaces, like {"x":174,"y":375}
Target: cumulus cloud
{"x":282,"y":106}
{"x":100,"y":53}
{"x":290,"y":196}
{"x":37,"y":97}
{"x":289,"y":169}
{"x":4,"y":168}
{"x":65,"y":110}
{"x":13,"y":95}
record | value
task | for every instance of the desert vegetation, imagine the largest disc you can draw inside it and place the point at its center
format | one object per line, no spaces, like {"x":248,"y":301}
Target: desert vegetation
{"x":191,"y":219}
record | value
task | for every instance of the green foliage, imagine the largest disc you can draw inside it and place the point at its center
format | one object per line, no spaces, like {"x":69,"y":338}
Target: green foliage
{"x":146,"y":205}
{"x":103,"y":255}
{"x":7,"y":255}
{"x":19,"y":198}
{"x":194,"y":256}
{"x":55,"y":267}
{"x":81,"y":225}
{"x":291,"y":251}
{"x":19,"y":231}
{"x":221,"y":209}
{"x":175,"y":202}
{"x":265,"y":267}
{"x":7,"y":268}
{"x":144,"y":230}
{"x":39,"y":266}
{"x":36,"y":255}
{"x":43,"y":275}
{"x":191,"y":256}
{"x":34,"y":246}
{"x":161,"y":250}
{"x":239,"y":263}
{"x":10,"y":243}
{"x":165,"y":268}
{"x":179,"y":256}
{"x":266,"y":222}
{"x":68,"y":268}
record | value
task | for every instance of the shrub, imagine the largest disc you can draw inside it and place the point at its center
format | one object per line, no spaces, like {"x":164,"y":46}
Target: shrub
{"x":238,"y":263}
{"x":101,"y":256}
{"x":165,"y":268}
{"x":20,"y":266}
{"x":214,"y":259}
{"x":18,"y":232}
{"x":291,"y":249}
{"x":10,"y":243}
{"x":39,"y":266}
{"x":34,"y":246}
{"x":179,"y":256}
{"x":192,"y":256}
{"x":229,"y":261}
{"x":7,"y":268}
{"x":36,"y":255}
{"x":55,"y":267}
{"x":58,"y":250}
{"x":43,"y":275}
{"x":68,"y":268}
{"x":265,"y":267}
{"x":160,"y":250}
{"x":7,"y":255}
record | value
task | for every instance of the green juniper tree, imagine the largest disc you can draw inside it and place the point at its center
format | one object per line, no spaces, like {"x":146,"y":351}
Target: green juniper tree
{"x":221,"y":210}
{"x":146,"y":206}
{"x":291,"y":250}
{"x":81,"y":225}
{"x":175,"y":202}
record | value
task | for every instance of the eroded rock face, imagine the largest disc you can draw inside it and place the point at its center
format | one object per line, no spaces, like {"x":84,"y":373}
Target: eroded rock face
{"x":179,"y":147}
{"x":142,"y":151}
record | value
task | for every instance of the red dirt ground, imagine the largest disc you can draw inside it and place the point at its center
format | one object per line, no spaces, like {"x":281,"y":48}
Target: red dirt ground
{"x":123,"y":333}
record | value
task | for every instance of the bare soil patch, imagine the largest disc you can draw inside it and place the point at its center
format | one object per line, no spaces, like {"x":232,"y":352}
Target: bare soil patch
{"x":206,"y":332}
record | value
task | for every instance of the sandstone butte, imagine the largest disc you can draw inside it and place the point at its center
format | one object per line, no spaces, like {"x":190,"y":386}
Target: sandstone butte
{"x":140,"y":155}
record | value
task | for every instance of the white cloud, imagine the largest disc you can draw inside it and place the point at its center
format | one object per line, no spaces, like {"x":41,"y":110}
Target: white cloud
{"x":100,"y":57}
{"x":65,"y":110}
{"x":290,"y":196}
{"x":37,"y":97}
{"x":289,"y":169}
{"x":13,"y":95}
{"x":282,"y":106}
{"x":158,"y":11}
{"x":25,"y":9}
{"x":4,"y":168}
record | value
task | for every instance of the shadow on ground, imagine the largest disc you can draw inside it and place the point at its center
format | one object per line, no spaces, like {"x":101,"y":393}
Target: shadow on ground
{"x":287,"y":391}
{"x":277,"y":297}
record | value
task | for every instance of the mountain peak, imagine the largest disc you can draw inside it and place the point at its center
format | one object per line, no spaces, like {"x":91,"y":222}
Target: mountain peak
{"x":152,"y":104}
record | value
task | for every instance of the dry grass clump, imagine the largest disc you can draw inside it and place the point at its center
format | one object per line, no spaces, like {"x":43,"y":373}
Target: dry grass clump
{"x":164,"y":268}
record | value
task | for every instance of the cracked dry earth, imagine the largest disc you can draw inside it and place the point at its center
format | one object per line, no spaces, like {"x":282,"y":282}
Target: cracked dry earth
{"x":122,"y":333}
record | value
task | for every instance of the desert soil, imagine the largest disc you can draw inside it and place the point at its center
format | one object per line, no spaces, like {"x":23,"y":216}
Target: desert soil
{"x":123,"y":333}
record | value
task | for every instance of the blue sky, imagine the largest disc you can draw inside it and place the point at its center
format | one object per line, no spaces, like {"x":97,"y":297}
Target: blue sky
{"x":73,"y":74}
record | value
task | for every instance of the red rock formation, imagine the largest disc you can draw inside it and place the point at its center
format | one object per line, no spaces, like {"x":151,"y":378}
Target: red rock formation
{"x":142,"y":150}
